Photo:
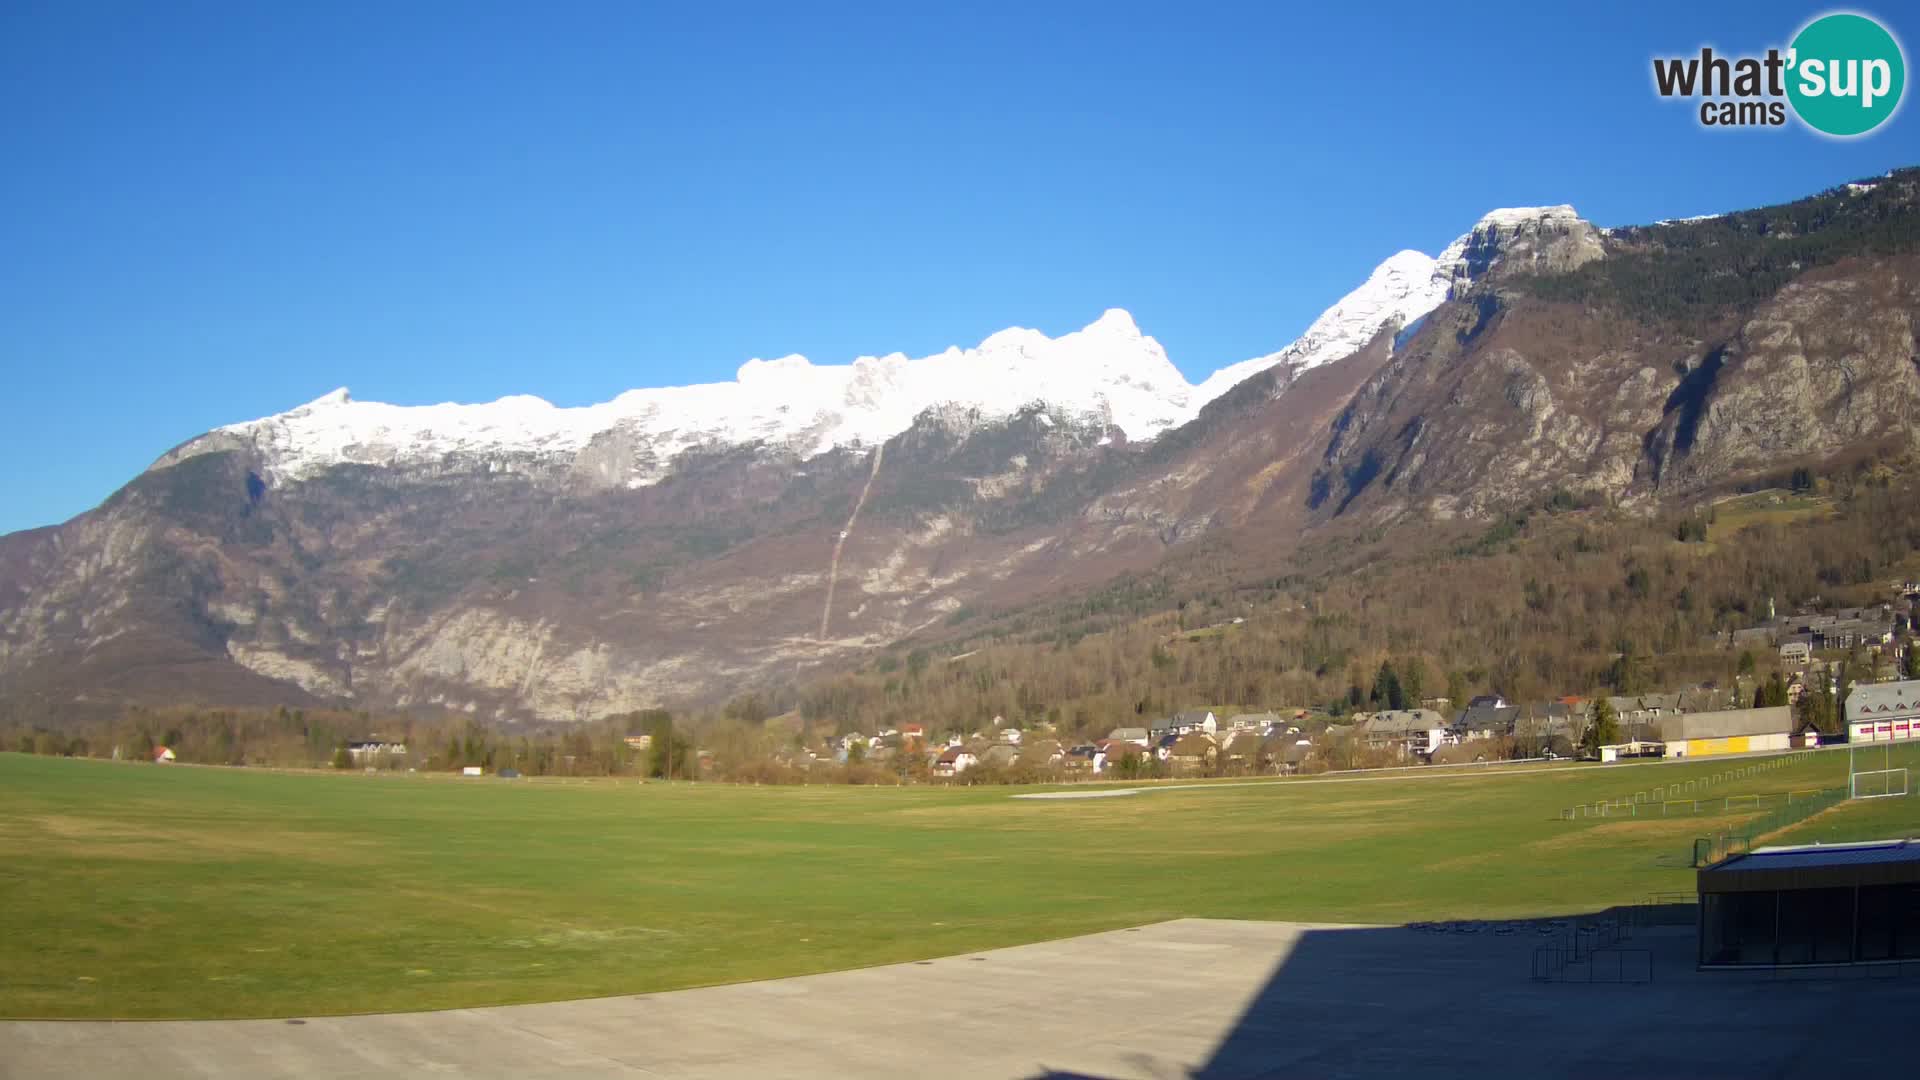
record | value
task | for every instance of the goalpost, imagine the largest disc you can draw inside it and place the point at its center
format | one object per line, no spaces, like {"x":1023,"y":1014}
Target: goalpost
{"x":1871,"y":773}
{"x":1877,"y":784}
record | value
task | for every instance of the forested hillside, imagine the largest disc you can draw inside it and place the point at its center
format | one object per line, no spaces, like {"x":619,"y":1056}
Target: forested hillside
{"x":1556,"y":600}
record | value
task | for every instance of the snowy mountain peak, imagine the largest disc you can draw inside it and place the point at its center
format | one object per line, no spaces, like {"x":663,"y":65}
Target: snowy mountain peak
{"x":1510,"y":216}
{"x":1108,"y":372}
{"x":1536,"y":237}
{"x":1399,"y":291}
{"x":1115,"y":321}
{"x":770,"y":371}
{"x":338,"y":396}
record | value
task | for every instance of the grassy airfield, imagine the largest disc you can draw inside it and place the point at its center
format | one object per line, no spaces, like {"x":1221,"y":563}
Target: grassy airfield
{"x":133,"y":890}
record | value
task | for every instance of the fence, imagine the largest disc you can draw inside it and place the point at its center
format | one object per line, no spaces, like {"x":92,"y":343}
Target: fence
{"x":1589,"y":949}
{"x":1721,"y":846}
{"x":1552,"y":963}
{"x":1690,"y":793}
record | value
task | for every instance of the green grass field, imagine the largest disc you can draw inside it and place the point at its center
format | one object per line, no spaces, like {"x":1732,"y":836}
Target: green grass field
{"x":148,"y":891}
{"x":1764,"y":507}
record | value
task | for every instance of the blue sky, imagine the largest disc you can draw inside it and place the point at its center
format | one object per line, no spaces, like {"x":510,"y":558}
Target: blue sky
{"x":211,"y":212}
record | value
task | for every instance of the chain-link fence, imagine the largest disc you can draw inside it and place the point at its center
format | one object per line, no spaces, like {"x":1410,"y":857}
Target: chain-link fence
{"x":1723,"y":845}
{"x":1695,"y":794}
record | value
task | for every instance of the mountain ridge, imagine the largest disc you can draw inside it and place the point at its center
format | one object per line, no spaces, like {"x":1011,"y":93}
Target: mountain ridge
{"x":1108,"y":373}
{"x":614,"y":568}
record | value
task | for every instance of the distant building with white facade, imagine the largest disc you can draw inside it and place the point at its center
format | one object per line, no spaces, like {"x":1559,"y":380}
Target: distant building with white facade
{"x":1884,"y":712}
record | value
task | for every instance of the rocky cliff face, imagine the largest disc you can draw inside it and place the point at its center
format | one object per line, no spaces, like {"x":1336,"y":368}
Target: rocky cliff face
{"x":1632,"y":378}
{"x":514,"y":560}
{"x":1538,"y":240}
{"x":1828,"y":368}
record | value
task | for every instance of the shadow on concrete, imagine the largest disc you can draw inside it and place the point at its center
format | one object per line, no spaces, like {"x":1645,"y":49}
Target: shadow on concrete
{"x":1466,"y":1000}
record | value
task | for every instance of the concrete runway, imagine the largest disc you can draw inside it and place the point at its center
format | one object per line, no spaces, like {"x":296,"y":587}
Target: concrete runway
{"x":1190,"y":998}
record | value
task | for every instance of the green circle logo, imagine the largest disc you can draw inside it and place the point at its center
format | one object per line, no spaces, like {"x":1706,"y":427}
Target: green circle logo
{"x":1846,"y":74}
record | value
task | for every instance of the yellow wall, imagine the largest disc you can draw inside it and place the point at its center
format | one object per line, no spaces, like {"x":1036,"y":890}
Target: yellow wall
{"x":1708,"y":747}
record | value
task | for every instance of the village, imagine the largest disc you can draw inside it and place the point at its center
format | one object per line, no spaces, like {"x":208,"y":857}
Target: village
{"x":1815,"y":678}
{"x":1846,"y":676}
{"x":1203,"y":743}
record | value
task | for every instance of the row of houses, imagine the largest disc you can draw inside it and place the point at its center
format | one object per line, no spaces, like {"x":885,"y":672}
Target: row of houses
{"x":1798,"y":636}
{"x":1690,"y":724}
{"x":1277,"y":748}
{"x":1693,"y":723}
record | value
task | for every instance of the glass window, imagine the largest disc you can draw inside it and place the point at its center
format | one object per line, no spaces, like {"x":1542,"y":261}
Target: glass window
{"x":1816,"y":926}
{"x":1875,"y":934}
{"x":1795,"y":944}
{"x":1906,"y":921}
{"x":1832,"y":925}
{"x":1738,"y":928}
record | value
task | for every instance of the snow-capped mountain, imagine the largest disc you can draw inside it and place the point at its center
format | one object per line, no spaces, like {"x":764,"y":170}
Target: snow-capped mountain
{"x":522,"y":561}
{"x":1109,"y":373}
{"x":1398,"y":293}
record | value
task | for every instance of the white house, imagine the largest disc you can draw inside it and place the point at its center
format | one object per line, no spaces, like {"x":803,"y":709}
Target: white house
{"x":362,"y":749}
{"x":1884,"y":712}
{"x":953,"y":761}
{"x":1184,"y":723}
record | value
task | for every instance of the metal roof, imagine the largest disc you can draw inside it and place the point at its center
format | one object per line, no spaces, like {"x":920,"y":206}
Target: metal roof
{"x":1880,"y":862}
{"x":1784,"y":858}
{"x":1877,"y":699}
{"x":1727,"y":723}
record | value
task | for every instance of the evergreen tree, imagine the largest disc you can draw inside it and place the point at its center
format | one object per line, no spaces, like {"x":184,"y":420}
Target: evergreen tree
{"x":1603,"y":727}
{"x":1775,"y":691}
{"x":1414,"y":682}
{"x":1817,"y":708}
{"x":1387,"y":691}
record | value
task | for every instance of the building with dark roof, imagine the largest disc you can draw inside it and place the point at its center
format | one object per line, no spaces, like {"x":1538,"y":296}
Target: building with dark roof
{"x":1417,"y":731}
{"x":1485,"y":722}
{"x":1817,"y":904}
